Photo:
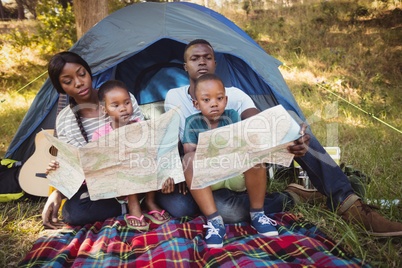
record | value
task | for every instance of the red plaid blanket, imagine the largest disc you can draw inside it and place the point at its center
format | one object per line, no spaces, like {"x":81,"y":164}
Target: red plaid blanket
{"x":179,"y":243}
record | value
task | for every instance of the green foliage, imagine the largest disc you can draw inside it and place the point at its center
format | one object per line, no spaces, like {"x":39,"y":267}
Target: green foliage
{"x":246,"y":6}
{"x":333,"y":57}
{"x":251,"y":31}
{"x":357,"y":12}
{"x":281,"y":22}
{"x":328,"y":9}
{"x":294,"y":44}
{"x":115,"y":5}
{"x":249,"y":5}
{"x":57,"y":28}
{"x":20,"y":39}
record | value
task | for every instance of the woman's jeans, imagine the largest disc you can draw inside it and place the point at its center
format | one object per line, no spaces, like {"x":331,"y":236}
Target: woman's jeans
{"x":80,"y":210}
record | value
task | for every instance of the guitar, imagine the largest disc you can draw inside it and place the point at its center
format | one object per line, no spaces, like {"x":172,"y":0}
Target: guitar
{"x":33,"y":178}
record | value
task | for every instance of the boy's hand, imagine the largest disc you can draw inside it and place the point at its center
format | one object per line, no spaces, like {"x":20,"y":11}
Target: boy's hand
{"x":168,"y":187}
{"x":182,"y":188}
{"x":300,"y":146}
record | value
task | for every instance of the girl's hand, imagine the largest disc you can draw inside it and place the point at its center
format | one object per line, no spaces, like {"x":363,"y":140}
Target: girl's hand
{"x":53,"y":165}
{"x":50,"y":213}
{"x":168,"y":186}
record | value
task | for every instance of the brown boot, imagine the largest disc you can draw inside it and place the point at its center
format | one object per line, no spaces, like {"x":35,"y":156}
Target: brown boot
{"x":301,"y":194}
{"x":374,"y":223}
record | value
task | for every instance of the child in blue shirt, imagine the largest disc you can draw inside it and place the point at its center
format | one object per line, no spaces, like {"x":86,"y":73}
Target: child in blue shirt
{"x":211,"y":100}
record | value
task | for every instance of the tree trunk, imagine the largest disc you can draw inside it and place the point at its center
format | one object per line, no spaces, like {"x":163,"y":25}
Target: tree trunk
{"x":20,"y":8}
{"x":2,"y":14}
{"x":88,"y":13}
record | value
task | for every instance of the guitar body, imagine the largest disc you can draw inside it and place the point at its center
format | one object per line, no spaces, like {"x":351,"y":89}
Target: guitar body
{"x":32,"y":176}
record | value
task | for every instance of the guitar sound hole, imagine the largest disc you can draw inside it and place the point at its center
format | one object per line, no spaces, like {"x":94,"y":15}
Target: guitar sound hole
{"x":53,"y":151}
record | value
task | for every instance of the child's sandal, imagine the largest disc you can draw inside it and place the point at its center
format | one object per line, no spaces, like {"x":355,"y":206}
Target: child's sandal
{"x":139,"y":228}
{"x":155,"y":220}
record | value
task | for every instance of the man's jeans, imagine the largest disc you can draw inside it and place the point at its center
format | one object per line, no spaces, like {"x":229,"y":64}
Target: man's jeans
{"x":322,"y":170}
{"x":325,"y":174}
{"x":233,"y":206}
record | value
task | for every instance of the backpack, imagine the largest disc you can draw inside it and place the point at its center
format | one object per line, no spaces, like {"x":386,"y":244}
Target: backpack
{"x":357,"y":179}
{"x":9,"y":186}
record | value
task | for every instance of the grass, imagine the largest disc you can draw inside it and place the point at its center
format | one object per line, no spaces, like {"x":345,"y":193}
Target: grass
{"x":18,"y":67}
{"x":349,"y":47}
{"x":20,"y":226}
{"x":327,"y":46}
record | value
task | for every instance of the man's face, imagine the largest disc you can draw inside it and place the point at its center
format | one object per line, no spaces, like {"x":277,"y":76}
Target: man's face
{"x":199,"y":59}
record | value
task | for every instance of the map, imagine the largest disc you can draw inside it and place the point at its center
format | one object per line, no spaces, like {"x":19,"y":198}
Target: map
{"x":132,"y":159}
{"x":228,"y":151}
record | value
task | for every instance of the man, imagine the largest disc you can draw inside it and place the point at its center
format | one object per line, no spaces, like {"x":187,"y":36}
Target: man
{"x":325,"y":175}
{"x":233,"y":204}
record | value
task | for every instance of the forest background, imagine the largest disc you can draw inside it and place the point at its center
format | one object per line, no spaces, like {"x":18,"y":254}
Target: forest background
{"x":337,"y":55}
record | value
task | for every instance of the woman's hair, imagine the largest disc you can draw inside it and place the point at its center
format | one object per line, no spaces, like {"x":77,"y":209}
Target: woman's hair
{"x":55,"y":67}
{"x":108,"y":86}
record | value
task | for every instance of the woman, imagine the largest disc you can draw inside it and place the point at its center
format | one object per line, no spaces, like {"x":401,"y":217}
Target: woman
{"x":71,"y":75}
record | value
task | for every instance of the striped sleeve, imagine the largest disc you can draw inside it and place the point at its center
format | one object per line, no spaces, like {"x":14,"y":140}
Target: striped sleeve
{"x":136,"y":109}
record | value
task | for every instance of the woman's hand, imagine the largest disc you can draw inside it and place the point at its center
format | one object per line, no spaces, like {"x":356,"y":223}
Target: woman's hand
{"x":300,"y":146}
{"x":50,"y":213}
{"x":53,"y":165}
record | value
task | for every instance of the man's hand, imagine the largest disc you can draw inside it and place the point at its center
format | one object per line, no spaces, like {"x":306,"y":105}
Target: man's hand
{"x":300,"y":146}
{"x":50,"y":214}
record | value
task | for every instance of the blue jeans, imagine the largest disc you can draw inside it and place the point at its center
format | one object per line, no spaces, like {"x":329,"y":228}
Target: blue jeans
{"x":80,"y":210}
{"x":233,"y":206}
{"x":325,"y":174}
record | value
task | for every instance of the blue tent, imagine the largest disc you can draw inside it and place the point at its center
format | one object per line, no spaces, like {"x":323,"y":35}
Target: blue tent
{"x":143,"y":44}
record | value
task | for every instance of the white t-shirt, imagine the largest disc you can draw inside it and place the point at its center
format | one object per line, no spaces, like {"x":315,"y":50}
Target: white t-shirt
{"x":237,"y":100}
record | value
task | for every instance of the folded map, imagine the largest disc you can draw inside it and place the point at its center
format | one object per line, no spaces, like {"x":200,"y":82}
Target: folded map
{"x":228,"y":151}
{"x":132,"y":159}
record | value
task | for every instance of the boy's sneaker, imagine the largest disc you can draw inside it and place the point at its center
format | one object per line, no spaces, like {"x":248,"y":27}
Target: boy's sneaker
{"x":264,"y":225}
{"x":215,"y":234}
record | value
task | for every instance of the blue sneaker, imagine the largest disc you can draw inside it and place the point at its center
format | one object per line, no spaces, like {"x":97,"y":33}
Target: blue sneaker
{"x":215,"y":234}
{"x":264,"y":225}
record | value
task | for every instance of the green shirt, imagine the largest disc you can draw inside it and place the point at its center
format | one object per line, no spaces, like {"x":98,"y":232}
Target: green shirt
{"x":195,"y":124}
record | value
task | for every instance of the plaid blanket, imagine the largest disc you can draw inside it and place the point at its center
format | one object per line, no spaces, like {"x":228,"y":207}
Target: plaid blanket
{"x":179,"y":243}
